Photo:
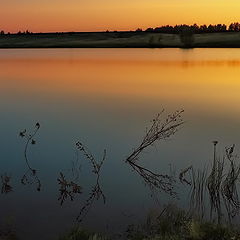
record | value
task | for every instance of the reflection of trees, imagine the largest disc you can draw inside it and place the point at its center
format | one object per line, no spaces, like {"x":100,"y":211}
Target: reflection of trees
{"x":30,"y":177}
{"x":96,"y":192}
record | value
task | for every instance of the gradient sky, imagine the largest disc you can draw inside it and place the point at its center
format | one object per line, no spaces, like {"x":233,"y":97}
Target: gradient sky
{"x":96,"y":15}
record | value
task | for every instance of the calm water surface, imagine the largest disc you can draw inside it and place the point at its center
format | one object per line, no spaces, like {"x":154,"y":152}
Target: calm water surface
{"x":106,"y":98}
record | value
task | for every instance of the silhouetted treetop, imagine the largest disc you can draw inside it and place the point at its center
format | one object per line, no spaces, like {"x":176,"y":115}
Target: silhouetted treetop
{"x":211,"y":28}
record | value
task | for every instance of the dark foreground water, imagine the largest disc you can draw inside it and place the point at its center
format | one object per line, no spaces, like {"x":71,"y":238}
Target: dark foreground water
{"x":105,"y":98}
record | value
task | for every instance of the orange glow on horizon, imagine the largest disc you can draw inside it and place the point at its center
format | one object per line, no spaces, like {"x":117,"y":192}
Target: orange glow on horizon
{"x":52,"y":16}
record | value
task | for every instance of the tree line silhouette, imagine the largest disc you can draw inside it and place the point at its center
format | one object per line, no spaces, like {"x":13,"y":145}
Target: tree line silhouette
{"x":177,"y":29}
{"x":27,"y":32}
{"x":233,"y":27}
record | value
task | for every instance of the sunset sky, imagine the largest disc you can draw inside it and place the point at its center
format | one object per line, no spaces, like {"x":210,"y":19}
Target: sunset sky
{"x":96,"y":15}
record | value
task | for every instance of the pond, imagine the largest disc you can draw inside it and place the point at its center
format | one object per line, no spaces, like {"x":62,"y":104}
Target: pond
{"x":105,"y":99}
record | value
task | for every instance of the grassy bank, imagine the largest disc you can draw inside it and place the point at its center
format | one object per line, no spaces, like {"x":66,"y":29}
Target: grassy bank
{"x":170,"y":224}
{"x":118,"y":40}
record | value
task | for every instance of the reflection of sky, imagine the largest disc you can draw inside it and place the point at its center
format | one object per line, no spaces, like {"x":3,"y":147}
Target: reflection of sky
{"x":106,"y":98}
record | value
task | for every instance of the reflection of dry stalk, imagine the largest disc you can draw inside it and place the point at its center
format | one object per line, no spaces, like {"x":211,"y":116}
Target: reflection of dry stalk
{"x":67,"y":189}
{"x":96,"y":192}
{"x":185,"y":174}
{"x":220,"y":184}
{"x":76,"y":168}
{"x":30,"y":176}
{"x":214,"y":182}
{"x":160,"y":130}
{"x":6,"y":187}
{"x":197,"y":181}
{"x":229,"y":187}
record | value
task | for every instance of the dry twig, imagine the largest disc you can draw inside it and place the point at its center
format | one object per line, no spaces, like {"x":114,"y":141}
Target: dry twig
{"x":229,"y":185}
{"x":160,"y":130}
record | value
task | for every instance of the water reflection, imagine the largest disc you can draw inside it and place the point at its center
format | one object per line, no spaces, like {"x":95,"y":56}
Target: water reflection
{"x":214,"y":190}
{"x":219,"y":183}
{"x":105,"y":97}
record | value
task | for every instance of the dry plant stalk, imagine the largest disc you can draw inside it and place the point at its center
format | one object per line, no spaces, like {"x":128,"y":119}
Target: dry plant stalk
{"x":229,"y":185}
{"x":6,"y":187}
{"x":220,"y":185}
{"x":96,"y":192}
{"x":160,"y":130}
{"x":30,"y":176}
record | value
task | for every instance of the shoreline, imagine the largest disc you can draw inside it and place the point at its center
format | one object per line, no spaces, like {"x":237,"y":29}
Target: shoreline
{"x":120,"y":40}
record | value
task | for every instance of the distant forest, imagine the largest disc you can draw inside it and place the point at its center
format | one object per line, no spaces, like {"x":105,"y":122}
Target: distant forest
{"x":177,"y":29}
{"x":233,"y":27}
